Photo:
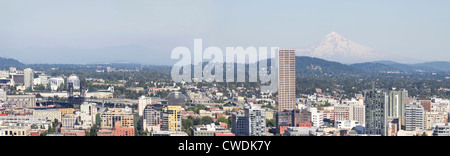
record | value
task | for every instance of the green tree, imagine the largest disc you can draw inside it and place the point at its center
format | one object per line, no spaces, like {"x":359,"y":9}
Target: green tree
{"x":39,"y":87}
{"x":94,"y":130}
{"x":97,"y":119}
{"x":222,"y":119}
{"x":187,"y":124}
{"x":230,"y":122}
{"x":206,"y":120}
{"x":270,"y":123}
{"x":62,"y":87}
{"x":197,"y":121}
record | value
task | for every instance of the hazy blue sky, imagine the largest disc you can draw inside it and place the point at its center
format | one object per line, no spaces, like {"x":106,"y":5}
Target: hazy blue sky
{"x":413,"y":28}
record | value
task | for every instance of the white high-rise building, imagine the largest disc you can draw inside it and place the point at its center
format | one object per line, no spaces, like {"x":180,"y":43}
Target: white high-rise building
{"x":28,"y":78}
{"x":415,"y":117}
{"x":88,"y":114}
{"x":316,"y":117}
{"x":143,"y":102}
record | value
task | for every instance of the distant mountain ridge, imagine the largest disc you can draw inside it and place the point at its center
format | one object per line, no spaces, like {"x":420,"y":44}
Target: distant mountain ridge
{"x":5,"y":63}
{"x":309,"y":65}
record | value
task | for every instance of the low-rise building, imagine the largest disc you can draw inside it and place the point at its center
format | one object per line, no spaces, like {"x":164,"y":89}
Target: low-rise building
{"x":37,"y":122}
{"x":299,"y":131}
{"x":434,"y":117}
{"x":441,"y":129}
{"x":72,"y":132}
{"x":346,"y":124}
{"x":15,"y":131}
{"x":21,"y":100}
{"x":69,"y":120}
{"x":108,"y":119}
{"x":49,"y":114}
{"x":209,"y":130}
{"x":118,"y":130}
{"x":168,"y":133}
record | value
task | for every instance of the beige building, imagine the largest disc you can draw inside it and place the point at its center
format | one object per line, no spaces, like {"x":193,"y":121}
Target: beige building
{"x":358,"y":113}
{"x":69,"y":120}
{"x":434,"y":117}
{"x":116,"y":115}
{"x":65,"y":110}
{"x":171,"y":118}
{"x":49,"y":114}
{"x":327,"y":112}
{"x":286,"y":79}
{"x":203,"y":113}
{"x":341,"y":112}
{"x":15,"y":131}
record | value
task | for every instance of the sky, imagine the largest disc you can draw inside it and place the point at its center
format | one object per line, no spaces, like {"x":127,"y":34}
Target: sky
{"x":410,"y":28}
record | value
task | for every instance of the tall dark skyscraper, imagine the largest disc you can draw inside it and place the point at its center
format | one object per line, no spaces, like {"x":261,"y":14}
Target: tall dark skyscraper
{"x":376,"y":112}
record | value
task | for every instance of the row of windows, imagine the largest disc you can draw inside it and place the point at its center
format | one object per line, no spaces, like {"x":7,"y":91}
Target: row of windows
{"x":14,"y":133}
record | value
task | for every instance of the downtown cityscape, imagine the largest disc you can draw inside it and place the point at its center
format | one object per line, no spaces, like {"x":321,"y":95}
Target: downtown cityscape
{"x":135,"y":100}
{"x":112,"y":68}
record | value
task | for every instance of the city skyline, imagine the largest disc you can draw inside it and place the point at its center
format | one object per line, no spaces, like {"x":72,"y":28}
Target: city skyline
{"x":416,"y":29}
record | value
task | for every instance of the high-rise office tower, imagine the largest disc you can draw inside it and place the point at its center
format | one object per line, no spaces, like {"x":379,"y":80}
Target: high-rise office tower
{"x":142,"y":103}
{"x":88,"y":114}
{"x":341,"y":112}
{"x":249,"y":122}
{"x":414,"y":117}
{"x":358,"y":113}
{"x":28,"y":77}
{"x":152,"y":119}
{"x":239,"y":122}
{"x":376,"y":112}
{"x":171,"y":118}
{"x":286,"y":79}
{"x":397,"y":105}
{"x":256,"y":119}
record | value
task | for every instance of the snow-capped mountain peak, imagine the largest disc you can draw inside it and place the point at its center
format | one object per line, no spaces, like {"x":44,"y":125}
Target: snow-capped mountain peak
{"x":336,"y":47}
